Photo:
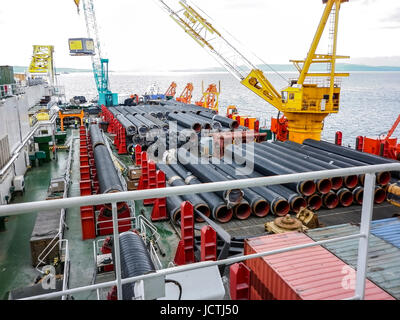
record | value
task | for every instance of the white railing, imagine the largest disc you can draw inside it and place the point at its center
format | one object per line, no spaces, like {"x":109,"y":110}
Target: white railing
{"x":114,"y":198}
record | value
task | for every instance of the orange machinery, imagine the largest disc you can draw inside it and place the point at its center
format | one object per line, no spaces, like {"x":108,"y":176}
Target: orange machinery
{"x":62,"y":115}
{"x":279,"y":126}
{"x":170,"y":93}
{"x":384,"y":145}
{"x":209,"y":99}
{"x":186,"y":95}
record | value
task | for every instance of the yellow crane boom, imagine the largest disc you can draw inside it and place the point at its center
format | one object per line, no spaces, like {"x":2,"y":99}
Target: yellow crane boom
{"x":307,"y":100}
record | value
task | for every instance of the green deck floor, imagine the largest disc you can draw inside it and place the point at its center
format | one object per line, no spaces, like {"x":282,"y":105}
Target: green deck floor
{"x":15,"y":256}
{"x":81,"y":252}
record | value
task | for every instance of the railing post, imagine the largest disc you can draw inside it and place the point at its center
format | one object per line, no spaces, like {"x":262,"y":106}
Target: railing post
{"x":117,"y":262}
{"x":366,"y":217}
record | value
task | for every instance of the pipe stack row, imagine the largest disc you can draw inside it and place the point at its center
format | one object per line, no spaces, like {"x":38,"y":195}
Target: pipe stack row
{"x":144,"y":124}
{"x":289,"y":157}
{"x":269,"y":159}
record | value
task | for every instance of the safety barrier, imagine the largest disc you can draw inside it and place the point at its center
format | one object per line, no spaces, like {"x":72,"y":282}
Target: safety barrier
{"x":114,"y":198}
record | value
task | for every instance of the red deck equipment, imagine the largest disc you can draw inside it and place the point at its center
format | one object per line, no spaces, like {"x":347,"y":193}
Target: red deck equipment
{"x":239,"y":279}
{"x":185,"y":251}
{"x":160,"y":205}
{"x":208,"y":244}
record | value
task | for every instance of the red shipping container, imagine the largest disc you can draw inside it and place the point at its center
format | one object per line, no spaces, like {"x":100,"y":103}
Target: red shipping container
{"x":306,"y":274}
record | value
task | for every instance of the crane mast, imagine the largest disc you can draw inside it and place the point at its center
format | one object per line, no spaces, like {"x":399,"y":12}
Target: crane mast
{"x":99,"y":64}
{"x":306,"y":101}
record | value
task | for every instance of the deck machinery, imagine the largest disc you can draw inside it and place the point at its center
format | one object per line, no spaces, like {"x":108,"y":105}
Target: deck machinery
{"x":307,"y":100}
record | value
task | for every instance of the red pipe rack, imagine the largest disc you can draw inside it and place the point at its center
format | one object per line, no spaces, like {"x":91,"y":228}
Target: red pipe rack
{"x":138,"y":159}
{"x":152,"y":180}
{"x":185,"y":251}
{"x":208,"y":244}
{"x":144,"y":178}
{"x":159,"y":211}
{"x":87,"y":212}
{"x":239,"y":281}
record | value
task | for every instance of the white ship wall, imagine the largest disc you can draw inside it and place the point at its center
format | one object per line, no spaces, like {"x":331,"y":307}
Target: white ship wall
{"x":14,"y":122}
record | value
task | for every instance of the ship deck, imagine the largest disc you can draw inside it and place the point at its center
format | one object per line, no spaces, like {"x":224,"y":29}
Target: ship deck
{"x":16,"y":270}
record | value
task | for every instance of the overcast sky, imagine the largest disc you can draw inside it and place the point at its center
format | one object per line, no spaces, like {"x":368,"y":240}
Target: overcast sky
{"x":138,"y":35}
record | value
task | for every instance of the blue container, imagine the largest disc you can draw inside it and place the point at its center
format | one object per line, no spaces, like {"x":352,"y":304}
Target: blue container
{"x":388,"y":230}
{"x":383,"y":258}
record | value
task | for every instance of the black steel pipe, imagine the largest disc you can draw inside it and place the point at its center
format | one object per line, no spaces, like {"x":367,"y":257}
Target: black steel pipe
{"x":342,"y":162}
{"x":121,"y":110}
{"x":291,"y":162}
{"x":314,"y":202}
{"x":114,"y":111}
{"x":106,"y":173}
{"x":346,"y":197}
{"x":135,"y":261}
{"x":130,"y":128}
{"x":260,"y":207}
{"x":358,"y":194}
{"x":295,"y":200}
{"x":330,"y":200}
{"x":96,"y":136}
{"x":226,"y":122}
{"x":175,"y":180}
{"x":311,"y":163}
{"x":205,"y":123}
{"x":219,"y":210}
{"x":242,"y":210}
{"x":156,"y":121}
{"x":147,"y":122}
{"x":270,"y":168}
{"x":206,"y":173}
{"x":174,"y":208}
{"x":350,"y":153}
{"x":185,"y":122}
{"x":379,"y":195}
{"x":141,"y":128}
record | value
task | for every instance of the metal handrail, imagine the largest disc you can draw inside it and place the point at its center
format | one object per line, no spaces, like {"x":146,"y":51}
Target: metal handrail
{"x":75,"y":202}
{"x":366,"y":216}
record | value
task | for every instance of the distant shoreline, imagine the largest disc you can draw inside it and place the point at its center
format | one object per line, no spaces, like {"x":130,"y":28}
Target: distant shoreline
{"x":276,"y":67}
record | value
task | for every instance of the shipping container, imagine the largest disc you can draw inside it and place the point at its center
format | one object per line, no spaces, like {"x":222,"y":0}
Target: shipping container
{"x":6,"y":75}
{"x":388,"y":230}
{"x":306,"y":274}
{"x":383,"y":258}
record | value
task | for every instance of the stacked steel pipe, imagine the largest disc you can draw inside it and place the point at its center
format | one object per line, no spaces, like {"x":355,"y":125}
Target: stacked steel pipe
{"x":274,"y":159}
{"x":144,"y":124}
{"x":108,"y":182}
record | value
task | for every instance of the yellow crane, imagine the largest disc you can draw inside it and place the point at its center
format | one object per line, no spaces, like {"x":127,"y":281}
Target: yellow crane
{"x":307,"y":100}
{"x":43,"y":62}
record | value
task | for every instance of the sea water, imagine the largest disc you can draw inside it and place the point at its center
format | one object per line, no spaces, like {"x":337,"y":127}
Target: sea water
{"x":370,"y":101}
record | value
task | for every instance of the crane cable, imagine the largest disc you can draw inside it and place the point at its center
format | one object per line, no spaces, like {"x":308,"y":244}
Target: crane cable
{"x":240,"y":43}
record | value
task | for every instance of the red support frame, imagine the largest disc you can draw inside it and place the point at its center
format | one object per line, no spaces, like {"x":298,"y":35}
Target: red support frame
{"x":338,"y":138}
{"x":138,"y":159}
{"x":88,"y":223}
{"x":160,"y":205}
{"x":122,"y":140}
{"x":152,"y":180}
{"x":143,"y":181}
{"x":185,"y":251}
{"x":208,"y":244}
{"x":239,"y":281}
